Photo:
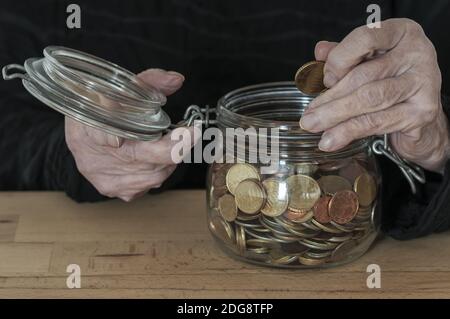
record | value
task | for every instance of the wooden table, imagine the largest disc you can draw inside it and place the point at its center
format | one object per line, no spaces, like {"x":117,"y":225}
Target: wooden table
{"x":159,"y":246}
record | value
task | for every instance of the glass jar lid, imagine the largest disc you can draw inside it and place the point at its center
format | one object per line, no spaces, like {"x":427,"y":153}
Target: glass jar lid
{"x":95,"y":92}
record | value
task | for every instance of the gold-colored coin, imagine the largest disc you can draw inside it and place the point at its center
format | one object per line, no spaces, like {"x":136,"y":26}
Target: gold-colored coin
{"x":306,"y":168}
{"x":300,"y":216}
{"x":222,"y":229}
{"x":308,"y":261}
{"x":277,"y":197}
{"x":331,"y":184}
{"x":239,"y":172}
{"x":250,"y":196}
{"x":334,"y":165}
{"x":309,"y":78}
{"x":303,"y":192}
{"x":227,"y":207}
{"x":366,"y":188}
{"x":240,"y":239}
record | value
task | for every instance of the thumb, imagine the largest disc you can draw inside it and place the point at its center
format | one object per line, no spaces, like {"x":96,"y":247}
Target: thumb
{"x":101,"y":138}
{"x":170,"y":149}
{"x":323,"y":48}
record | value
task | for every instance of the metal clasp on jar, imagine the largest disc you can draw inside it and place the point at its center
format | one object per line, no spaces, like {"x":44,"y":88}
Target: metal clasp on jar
{"x":197,"y":113}
{"x":411,"y":171}
{"x":9,"y":76}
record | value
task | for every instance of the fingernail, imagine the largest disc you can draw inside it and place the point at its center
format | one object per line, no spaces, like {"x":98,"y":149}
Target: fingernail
{"x":329,"y":79}
{"x":176,"y":75}
{"x":308,"y":121}
{"x":326,"y":142}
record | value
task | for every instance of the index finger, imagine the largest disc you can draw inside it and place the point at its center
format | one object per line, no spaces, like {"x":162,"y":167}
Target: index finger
{"x":362,"y":43}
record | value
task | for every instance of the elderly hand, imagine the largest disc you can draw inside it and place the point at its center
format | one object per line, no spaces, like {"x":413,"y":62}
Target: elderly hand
{"x":384,"y":80}
{"x":124,"y":168}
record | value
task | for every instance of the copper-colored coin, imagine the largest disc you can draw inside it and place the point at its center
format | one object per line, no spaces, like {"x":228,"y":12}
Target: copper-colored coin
{"x":309,"y":78}
{"x":250,"y":196}
{"x":331,"y":184}
{"x":366,"y":188}
{"x":239,"y":172}
{"x":303,"y":192}
{"x":321,"y":210}
{"x":299,"y":216}
{"x":219,"y":178}
{"x":227,"y":207}
{"x":218,"y":192}
{"x":277,"y":197}
{"x":343,"y":207}
{"x":351,"y":171}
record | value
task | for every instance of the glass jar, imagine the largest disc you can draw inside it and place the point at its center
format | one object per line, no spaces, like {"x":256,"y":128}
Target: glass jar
{"x":311,"y":209}
{"x":314,"y":209}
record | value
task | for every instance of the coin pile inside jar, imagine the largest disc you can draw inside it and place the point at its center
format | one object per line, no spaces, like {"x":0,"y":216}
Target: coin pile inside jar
{"x":306,"y":214}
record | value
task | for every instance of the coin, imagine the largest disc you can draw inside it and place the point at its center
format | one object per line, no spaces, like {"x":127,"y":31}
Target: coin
{"x":321,"y":210}
{"x":334,"y":165}
{"x":219,"y":176}
{"x":342,"y":250}
{"x":375,"y":217}
{"x":351,"y":171}
{"x":331,"y":184}
{"x":277,"y":197}
{"x":239,"y":172}
{"x":327,"y":228}
{"x":308,"y":261}
{"x":227,"y":207}
{"x":299,"y":216}
{"x":303,"y":192}
{"x":317,"y":254}
{"x":343,"y":206}
{"x":222,"y":229}
{"x":366,"y":188}
{"x":294,"y":248}
{"x":309,"y":78}
{"x":219,"y":192}
{"x":240,"y":239}
{"x":250,"y":196}
{"x":306,"y":168}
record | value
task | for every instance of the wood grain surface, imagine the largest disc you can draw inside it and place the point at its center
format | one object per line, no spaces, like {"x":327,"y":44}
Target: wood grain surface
{"x":159,"y":247}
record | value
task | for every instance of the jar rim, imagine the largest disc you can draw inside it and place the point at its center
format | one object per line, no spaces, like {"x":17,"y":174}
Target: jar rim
{"x":247,"y":107}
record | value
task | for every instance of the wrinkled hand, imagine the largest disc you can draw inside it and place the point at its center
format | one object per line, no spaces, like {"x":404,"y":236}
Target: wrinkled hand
{"x":384,"y":80}
{"x":124,"y":168}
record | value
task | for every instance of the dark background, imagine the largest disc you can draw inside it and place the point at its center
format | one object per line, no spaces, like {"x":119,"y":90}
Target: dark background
{"x":218,"y":45}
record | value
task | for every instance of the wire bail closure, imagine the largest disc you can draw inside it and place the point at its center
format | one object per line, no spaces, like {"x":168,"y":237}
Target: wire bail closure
{"x":196,"y":113}
{"x":413,"y":173}
{"x":9,"y":76}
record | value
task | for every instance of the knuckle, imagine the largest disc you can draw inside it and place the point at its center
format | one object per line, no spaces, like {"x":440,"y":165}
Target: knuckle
{"x":370,"y":95}
{"x":370,"y":122}
{"x":335,"y":64}
{"x":428,"y":113}
{"x":413,"y":28}
{"x":359,"y":77}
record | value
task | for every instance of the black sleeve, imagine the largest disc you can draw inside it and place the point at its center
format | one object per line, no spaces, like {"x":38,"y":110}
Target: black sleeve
{"x":407,"y":216}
